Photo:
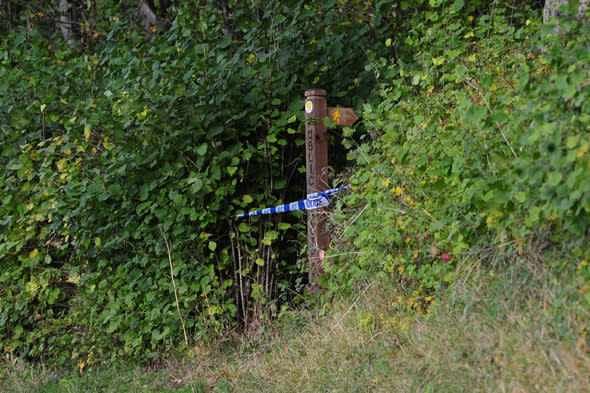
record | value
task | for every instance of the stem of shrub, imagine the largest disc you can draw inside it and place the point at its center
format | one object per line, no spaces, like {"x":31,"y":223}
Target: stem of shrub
{"x":174,"y":284}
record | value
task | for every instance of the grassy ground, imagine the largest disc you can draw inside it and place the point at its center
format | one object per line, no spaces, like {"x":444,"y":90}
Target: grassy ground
{"x":521,"y":330}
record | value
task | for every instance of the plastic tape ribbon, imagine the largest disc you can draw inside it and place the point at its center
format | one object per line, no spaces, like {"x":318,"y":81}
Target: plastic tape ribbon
{"x":313,"y":201}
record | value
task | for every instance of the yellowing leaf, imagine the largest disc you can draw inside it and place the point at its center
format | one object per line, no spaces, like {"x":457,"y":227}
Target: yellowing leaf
{"x":247,"y":198}
{"x":30,"y":206}
{"x":468,"y":35}
{"x":73,"y":279}
{"x":61,"y":164}
{"x":33,"y":253}
{"x":490,"y":221}
{"x":259,"y":261}
{"x":385,"y":183}
{"x":438,"y":60}
{"x":86,"y":132}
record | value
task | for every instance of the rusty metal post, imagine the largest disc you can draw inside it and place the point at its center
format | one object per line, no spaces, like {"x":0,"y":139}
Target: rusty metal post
{"x":316,"y":153}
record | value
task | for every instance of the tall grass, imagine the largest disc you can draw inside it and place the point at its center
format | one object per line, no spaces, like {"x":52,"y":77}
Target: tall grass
{"x":518,"y":330}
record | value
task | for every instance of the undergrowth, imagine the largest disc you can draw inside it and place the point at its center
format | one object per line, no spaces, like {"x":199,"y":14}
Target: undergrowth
{"x":516,"y":328}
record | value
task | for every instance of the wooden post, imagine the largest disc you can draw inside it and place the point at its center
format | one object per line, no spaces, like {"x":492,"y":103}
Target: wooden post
{"x":316,"y":153}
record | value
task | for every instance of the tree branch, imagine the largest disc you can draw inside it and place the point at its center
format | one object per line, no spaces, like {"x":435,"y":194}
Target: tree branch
{"x":146,"y":9}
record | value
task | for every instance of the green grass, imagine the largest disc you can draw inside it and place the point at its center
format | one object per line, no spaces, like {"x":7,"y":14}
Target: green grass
{"x":122,"y":378}
{"x":518,"y":328}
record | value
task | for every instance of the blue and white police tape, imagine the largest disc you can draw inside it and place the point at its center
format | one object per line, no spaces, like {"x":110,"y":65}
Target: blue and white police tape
{"x":313,"y":201}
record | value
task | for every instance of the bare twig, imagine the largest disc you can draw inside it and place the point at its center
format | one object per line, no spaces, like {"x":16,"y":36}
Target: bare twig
{"x":174,"y":284}
{"x":353,"y":221}
{"x":470,"y":83}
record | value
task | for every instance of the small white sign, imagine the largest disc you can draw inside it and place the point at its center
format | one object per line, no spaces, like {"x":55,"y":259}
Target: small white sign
{"x":308,"y":106}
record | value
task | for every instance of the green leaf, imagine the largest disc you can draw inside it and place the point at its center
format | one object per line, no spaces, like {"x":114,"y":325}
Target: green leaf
{"x":212,"y":245}
{"x":554,"y":179}
{"x":224,"y":42}
{"x":458,"y":5}
{"x":572,"y":141}
{"x":196,"y":184}
{"x":329,"y":123}
{"x":213,"y":310}
{"x":520,"y":197}
{"x":115,"y":189}
{"x":475,"y":114}
{"x":284,"y":226}
{"x":144,"y":192}
{"x":201,"y":150}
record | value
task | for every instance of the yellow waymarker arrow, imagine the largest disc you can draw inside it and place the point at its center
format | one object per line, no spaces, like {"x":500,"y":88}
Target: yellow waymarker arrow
{"x":342,"y":116}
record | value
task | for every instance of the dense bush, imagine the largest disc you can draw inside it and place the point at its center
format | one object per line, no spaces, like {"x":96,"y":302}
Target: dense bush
{"x":124,"y":159}
{"x":478,"y":151}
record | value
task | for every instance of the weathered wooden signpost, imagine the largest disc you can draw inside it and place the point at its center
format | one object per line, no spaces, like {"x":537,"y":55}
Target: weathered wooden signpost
{"x":316,"y":154}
